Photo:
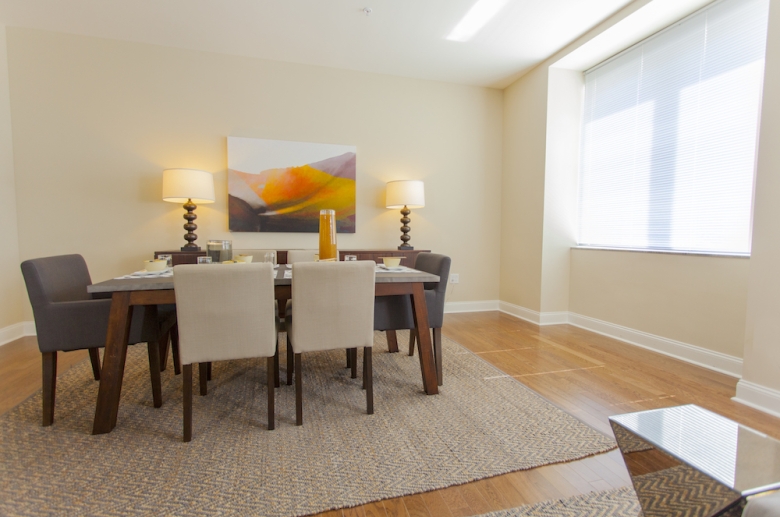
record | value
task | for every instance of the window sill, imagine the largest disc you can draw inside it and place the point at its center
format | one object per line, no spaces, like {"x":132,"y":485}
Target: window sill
{"x":665,"y":252}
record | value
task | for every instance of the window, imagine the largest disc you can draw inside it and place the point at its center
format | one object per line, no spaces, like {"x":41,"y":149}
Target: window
{"x":669,"y":136}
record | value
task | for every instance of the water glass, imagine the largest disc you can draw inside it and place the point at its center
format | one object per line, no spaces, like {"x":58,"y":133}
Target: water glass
{"x":270,"y":256}
{"x":204,"y":260}
{"x":350,"y":257}
{"x":167,"y":257}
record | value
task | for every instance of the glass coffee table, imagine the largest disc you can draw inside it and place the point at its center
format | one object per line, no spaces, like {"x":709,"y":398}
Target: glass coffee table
{"x":687,"y":461}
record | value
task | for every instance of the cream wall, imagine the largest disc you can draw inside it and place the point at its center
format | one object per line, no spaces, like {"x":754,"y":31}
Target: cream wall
{"x":699,"y":300}
{"x":760,"y":383}
{"x":693,"y":299}
{"x":96,"y":121}
{"x":522,"y":191}
{"x":10,"y":275}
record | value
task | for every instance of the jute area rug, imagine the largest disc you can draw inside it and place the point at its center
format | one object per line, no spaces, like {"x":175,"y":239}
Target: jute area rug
{"x":612,"y":503}
{"x":481,"y":424}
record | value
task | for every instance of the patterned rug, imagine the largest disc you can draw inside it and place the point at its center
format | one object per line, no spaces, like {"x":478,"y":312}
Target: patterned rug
{"x":481,"y":424}
{"x":612,"y":503}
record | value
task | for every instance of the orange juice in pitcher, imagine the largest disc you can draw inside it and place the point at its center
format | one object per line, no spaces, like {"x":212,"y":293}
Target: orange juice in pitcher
{"x":328,"y":249}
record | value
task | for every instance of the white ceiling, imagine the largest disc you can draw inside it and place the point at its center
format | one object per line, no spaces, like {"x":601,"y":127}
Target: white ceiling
{"x":400,"y":37}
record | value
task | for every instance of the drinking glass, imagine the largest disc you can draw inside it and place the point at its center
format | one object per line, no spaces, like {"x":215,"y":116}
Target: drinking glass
{"x":168,"y":257}
{"x":204,"y":260}
{"x":328,"y":235}
{"x":270,"y":256}
{"x":350,"y":257}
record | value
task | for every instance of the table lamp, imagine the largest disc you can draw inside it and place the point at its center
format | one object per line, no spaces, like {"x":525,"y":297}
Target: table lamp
{"x":188,"y":186}
{"x":405,"y":194}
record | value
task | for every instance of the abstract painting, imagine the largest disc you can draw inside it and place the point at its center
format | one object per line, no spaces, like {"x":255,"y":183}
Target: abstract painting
{"x":279,"y":186}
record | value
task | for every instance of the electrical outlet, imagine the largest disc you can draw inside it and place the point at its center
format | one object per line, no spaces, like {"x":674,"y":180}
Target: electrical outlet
{"x":454,"y":278}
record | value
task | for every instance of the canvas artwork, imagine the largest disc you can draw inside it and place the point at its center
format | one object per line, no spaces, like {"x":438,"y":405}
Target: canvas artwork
{"x":279,"y":186}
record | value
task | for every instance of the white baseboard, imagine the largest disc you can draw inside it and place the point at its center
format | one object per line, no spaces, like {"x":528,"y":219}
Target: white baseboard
{"x":553,"y":318}
{"x":16,"y":331}
{"x":693,"y":354}
{"x":758,"y":397}
{"x":480,"y":306}
{"x":520,"y":312}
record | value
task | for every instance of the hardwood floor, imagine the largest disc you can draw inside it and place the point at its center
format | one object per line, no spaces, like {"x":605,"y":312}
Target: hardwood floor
{"x":586,"y":374}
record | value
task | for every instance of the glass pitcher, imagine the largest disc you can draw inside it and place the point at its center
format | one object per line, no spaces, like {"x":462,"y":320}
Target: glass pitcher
{"x":220,"y":251}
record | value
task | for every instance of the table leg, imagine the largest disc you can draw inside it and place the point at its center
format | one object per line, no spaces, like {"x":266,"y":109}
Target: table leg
{"x":427,"y":363}
{"x":113,"y":363}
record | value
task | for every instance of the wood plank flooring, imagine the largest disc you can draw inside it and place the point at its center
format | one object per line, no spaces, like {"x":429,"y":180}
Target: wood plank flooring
{"x":586,"y":374}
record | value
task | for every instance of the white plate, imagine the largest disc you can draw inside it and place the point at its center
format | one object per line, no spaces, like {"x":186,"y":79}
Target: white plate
{"x":397,"y":268}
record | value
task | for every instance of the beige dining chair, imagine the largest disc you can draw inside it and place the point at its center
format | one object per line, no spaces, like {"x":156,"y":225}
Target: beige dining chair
{"x":224,"y":312}
{"x":334,"y":309}
{"x":295,"y":256}
{"x":257,"y":255}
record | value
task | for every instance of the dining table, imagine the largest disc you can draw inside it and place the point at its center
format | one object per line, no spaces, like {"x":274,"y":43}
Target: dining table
{"x":154,"y":290}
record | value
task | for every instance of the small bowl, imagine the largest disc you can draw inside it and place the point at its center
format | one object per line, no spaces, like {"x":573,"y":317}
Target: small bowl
{"x":155,"y":265}
{"x":391,"y":261}
{"x":244,"y":258}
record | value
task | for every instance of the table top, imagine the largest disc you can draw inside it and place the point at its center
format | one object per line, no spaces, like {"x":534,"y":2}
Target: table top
{"x":741,"y":458}
{"x":156,"y":283}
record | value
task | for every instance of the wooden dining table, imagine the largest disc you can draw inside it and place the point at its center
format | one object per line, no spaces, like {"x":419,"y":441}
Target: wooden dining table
{"x":129,"y":292}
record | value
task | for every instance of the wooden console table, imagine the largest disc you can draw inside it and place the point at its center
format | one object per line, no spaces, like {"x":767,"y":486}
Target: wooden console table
{"x":407,"y":257}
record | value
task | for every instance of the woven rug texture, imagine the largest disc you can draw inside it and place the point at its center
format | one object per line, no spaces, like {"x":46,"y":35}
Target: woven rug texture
{"x":481,"y":424}
{"x":611,"y":503}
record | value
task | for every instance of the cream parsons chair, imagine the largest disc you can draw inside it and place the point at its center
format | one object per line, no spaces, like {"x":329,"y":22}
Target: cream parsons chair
{"x":257,"y":255}
{"x":224,"y":312}
{"x":334,"y":309}
{"x":295,"y":256}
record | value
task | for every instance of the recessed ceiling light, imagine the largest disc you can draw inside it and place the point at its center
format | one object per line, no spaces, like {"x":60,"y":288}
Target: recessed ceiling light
{"x":477,"y":17}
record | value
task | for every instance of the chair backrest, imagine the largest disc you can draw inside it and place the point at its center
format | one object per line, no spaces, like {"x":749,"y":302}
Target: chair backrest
{"x":334,"y":305}
{"x":295,"y":256}
{"x":225,"y":311}
{"x":51,"y":280}
{"x":437,"y":265}
{"x":257,"y":255}
{"x":63,"y":278}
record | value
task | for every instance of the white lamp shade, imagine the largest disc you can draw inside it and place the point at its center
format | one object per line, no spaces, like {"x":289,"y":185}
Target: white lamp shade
{"x":180,"y":185}
{"x":409,"y":193}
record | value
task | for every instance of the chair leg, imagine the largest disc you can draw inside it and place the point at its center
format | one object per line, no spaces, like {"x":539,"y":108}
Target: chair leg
{"x":175,"y":349}
{"x":368,"y":379}
{"x":437,"y":353}
{"x":165,"y":341}
{"x":353,"y":362}
{"x":412,"y":336}
{"x":203,"y":375}
{"x":94,"y":358}
{"x":49,"y":360}
{"x":270,"y":386}
{"x":208,"y":371}
{"x":153,"y":349}
{"x":349,"y":358}
{"x":187,"y":397}
{"x":392,"y":341}
{"x":298,"y":391}
{"x":276,"y":364}
{"x":290,"y":361}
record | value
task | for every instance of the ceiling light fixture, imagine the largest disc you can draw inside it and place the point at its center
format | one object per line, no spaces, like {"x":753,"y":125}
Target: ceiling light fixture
{"x":477,"y":17}
{"x":367,"y":10}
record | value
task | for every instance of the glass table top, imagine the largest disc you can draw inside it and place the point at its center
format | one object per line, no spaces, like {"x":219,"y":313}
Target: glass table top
{"x":739,"y":457}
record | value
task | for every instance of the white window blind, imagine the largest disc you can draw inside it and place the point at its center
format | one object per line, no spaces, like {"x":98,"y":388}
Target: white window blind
{"x":669,"y":136}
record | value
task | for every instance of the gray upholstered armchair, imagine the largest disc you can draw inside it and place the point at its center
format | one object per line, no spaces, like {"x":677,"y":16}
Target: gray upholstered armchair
{"x":393,"y":313}
{"x":67,"y":319}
